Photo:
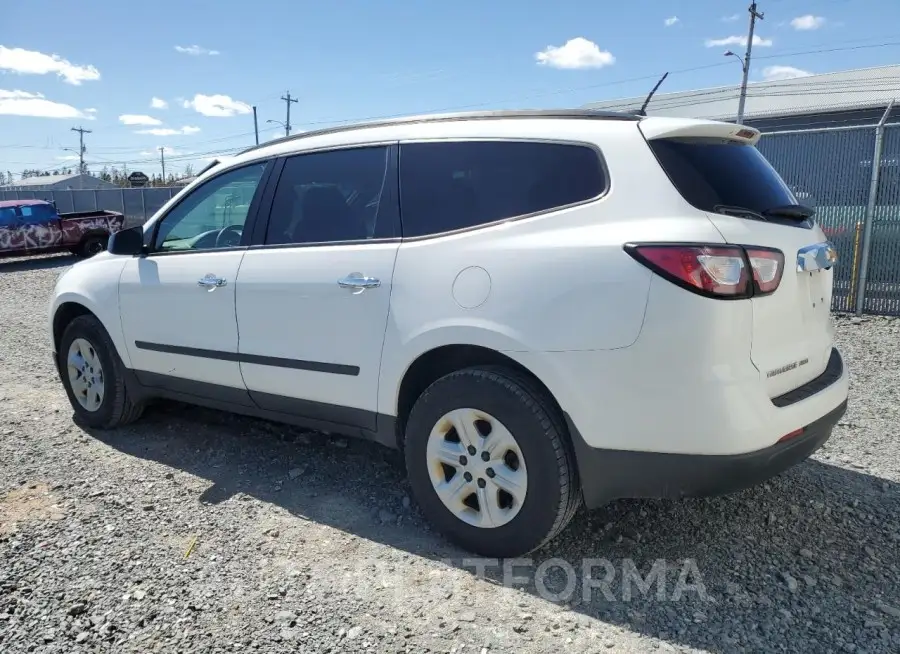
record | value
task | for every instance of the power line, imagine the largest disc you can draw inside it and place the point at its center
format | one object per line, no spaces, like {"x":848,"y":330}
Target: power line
{"x":875,"y":84}
{"x":519,"y":98}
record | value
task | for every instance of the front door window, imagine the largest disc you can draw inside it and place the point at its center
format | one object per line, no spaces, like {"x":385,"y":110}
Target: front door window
{"x":213,"y":215}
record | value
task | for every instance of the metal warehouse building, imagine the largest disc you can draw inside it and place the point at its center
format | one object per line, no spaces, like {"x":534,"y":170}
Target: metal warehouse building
{"x":850,"y":97}
{"x":808,"y":119}
{"x":73,"y":182}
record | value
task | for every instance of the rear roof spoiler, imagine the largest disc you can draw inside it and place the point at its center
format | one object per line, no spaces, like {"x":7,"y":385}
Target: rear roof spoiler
{"x":673,"y":128}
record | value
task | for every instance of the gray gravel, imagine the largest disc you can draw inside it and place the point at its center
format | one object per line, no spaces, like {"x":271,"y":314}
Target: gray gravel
{"x":196,"y":531}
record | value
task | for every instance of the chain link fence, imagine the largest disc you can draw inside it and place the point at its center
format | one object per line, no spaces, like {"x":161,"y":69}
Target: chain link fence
{"x":851,"y":175}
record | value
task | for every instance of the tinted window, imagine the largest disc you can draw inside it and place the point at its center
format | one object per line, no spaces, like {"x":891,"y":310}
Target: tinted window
{"x":7,"y":216}
{"x":37,"y":212}
{"x":213,"y":214}
{"x":712,"y":172}
{"x":341,"y":195}
{"x":448,"y":186}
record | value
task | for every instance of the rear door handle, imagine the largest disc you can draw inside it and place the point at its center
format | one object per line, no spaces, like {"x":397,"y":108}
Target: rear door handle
{"x":359,"y":281}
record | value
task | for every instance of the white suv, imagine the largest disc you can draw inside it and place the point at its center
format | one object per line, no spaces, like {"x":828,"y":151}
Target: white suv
{"x":538,"y":308}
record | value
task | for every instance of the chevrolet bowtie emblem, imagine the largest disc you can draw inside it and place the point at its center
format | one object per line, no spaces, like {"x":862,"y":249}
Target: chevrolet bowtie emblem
{"x":816,"y":257}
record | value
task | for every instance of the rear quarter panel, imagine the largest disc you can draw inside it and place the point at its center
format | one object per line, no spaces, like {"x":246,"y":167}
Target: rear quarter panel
{"x":556,"y":282}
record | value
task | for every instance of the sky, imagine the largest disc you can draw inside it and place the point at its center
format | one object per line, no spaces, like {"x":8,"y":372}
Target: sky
{"x":185,"y":75}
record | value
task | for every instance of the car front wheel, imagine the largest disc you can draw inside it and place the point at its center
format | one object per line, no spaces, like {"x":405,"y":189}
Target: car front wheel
{"x":489,"y":462}
{"x":93,"y":375}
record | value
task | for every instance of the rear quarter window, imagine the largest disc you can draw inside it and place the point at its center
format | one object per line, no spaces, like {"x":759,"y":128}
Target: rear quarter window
{"x":455,"y":185}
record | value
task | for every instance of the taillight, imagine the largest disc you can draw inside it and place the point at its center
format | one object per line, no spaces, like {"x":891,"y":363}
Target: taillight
{"x":768,"y":266}
{"x":719,"y":271}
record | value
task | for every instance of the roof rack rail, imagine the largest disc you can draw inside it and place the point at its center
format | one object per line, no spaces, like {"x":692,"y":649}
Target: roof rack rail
{"x":594,"y":114}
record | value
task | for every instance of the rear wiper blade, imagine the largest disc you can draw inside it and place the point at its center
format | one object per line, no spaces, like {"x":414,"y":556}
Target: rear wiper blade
{"x":735,"y":210}
{"x":798,"y":211}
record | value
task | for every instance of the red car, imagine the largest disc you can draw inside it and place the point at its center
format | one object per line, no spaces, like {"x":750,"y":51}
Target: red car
{"x":36,"y":227}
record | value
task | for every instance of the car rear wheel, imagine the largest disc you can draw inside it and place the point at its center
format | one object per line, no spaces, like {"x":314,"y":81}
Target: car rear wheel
{"x":489,"y":462}
{"x":92,"y":245}
{"x":93,"y":376}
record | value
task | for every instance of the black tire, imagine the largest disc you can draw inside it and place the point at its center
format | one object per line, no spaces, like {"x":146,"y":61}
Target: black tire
{"x":92,"y":245}
{"x":553,"y":494}
{"x":117,"y":408}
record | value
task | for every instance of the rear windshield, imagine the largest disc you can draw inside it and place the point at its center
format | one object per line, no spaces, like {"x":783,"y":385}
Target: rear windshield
{"x":710,"y":172}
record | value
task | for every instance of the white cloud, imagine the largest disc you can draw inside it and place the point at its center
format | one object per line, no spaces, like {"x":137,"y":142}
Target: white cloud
{"x":23,"y":103}
{"x":159,"y":103}
{"x":807,"y":22}
{"x":169,"y":131}
{"x":169,"y":152}
{"x":67,"y":157}
{"x":732,"y":18}
{"x":139,"y":119}
{"x":195,"y":50}
{"x":671,"y":20}
{"x":31,"y":62}
{"x":773,"y":73}
{"x":221,"y":106}
{"x":738,"y":40}
{"x":576,"y":53}
{"x":91,"y":110}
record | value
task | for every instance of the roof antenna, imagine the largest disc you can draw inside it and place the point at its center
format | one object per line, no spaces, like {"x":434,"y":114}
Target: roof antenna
{"x":643,"y":110}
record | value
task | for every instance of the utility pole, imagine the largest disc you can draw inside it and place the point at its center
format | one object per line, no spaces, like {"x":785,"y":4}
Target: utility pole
{"x":81,"y":150}
{"x":162,"y":161}
{"x":287,"y":123}
{"x":746,"y":61}
{"x":255,"y":126}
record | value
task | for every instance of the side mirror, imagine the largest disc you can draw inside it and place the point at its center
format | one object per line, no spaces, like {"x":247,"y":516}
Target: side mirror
{"x":127,"y":241}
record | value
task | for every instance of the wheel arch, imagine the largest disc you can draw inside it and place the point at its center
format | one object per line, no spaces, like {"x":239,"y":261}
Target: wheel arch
{"x":65,"y":313}
{"x":433,"y":364}
{"x":91,"y":233}
{"x":69,"y":305}
{"x":94,"y":232}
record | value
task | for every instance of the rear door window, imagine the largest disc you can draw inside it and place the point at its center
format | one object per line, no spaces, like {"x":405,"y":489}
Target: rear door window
{"x":710,"y":173}
{"x":446,"y":186}
{"x":334,"y":196}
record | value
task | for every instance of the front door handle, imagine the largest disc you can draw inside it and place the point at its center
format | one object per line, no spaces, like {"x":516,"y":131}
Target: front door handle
{"x":210,"y":282}
{"x":358,"y":281}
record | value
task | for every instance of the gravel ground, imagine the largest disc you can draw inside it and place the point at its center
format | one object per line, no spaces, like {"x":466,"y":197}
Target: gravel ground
{"x":195,"y":531}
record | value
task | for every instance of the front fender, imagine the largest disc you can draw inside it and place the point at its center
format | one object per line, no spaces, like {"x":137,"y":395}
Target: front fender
{"x":93,"y":284}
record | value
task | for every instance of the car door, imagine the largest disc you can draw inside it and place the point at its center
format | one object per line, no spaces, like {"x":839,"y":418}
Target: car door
{"x":41,"y":227}
{"x":10,"y":232}
{"x":177,"y":303}
{"x":313,"y":295}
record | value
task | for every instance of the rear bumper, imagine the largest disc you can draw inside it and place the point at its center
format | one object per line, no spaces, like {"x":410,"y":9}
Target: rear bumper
{"x":607,"y":475}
